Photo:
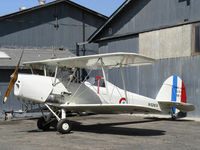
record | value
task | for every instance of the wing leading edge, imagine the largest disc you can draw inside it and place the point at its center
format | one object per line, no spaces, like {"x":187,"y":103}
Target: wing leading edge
{"x":109,"y":60}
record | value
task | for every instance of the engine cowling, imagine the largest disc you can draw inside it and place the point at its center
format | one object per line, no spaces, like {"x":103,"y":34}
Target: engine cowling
{"x":39,"y":88}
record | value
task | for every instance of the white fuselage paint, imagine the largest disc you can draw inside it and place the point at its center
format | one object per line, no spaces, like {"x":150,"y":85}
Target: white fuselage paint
{"x":38,"y":88}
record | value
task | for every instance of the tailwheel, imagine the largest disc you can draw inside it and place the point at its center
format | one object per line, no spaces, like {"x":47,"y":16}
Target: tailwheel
{"x":64,"y":126}
{"x":42,"y":124}
{"x":174,"y":116}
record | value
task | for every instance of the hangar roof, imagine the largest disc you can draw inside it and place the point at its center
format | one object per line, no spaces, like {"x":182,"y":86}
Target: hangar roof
{"x":33,"y":54}
{"x":134,"y":17}
{"x":49,"y":4}
{"x":108,"y":20}
{"x":30,"y":55}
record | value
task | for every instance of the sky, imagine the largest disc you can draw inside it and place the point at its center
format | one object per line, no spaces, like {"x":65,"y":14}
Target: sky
{"x":105,"y":7}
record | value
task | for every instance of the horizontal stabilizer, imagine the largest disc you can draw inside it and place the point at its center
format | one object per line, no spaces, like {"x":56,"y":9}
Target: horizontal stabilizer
{"x":184,"y":107}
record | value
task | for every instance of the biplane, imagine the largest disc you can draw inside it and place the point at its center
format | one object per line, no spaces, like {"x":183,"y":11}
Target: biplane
{"x":61,"y":92}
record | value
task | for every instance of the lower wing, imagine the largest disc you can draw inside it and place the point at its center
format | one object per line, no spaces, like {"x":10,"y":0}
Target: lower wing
{"x":106,"y":108}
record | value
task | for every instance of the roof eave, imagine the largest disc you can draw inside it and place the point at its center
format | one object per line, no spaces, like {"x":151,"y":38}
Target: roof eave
{"x":92,"y":37}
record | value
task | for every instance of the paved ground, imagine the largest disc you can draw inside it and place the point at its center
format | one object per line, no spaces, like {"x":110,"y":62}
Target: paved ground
{"x":103,"y":132}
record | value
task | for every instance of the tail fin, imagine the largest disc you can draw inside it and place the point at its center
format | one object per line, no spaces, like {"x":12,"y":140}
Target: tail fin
{"x":172,"y":97}
{"x":173,"y":89}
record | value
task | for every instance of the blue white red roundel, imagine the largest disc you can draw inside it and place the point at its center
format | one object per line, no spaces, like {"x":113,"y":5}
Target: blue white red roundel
{"x":122,"y":101}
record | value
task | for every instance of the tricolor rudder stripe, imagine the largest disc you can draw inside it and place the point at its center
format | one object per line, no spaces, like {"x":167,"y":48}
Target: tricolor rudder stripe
{"x":171,"y":97}
{"x":178,"y":92}
{"x":183,"y":94}
{"x":173,"y":89}
{"x":174,"y":92}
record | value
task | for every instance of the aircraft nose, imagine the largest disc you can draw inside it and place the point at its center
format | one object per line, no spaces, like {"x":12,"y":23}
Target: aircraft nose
{"x":17,"y":88}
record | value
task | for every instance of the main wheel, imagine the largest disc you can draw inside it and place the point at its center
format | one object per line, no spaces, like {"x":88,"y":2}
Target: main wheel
{"x":64,"y":126}
{"x":42,"y":124}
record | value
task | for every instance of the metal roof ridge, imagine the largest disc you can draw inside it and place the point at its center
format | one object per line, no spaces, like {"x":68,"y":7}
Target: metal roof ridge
{"x":52,"y":3}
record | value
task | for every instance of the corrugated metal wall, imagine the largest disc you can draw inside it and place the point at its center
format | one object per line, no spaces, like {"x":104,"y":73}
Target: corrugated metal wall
{"x":38,"y":28}
{"x":55,"y":26}
{"x":12,"y":103}
{"x":145,"y":15}
{"x":126,"y":44}
{"x":147,"y":80}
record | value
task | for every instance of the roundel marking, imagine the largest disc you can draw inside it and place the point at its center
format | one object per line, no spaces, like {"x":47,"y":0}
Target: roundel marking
{"x":122,"y":100}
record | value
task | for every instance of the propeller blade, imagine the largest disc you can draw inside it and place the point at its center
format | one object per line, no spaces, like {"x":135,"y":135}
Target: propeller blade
{"x":13,"y":79}
{"x":11,"y":83}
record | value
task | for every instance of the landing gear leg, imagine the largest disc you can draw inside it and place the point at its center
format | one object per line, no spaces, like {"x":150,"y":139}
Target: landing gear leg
{"x":173,"y":115}
{"x":43,"y":124}
{"x":63,"y":126}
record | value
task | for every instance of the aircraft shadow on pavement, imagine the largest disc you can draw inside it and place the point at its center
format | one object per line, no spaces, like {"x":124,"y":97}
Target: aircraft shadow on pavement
{"x":169,"y":119}
{"x":113,"y":128}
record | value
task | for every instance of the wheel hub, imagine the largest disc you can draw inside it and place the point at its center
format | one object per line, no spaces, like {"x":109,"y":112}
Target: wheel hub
{"x":65,"y":126}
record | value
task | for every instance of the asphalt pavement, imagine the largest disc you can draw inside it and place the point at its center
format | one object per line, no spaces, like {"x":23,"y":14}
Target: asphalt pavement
{"x":103,"y":132}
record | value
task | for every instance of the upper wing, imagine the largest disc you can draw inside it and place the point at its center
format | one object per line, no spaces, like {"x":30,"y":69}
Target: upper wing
{"x":109,"y":60}
{"x":107,"y":108}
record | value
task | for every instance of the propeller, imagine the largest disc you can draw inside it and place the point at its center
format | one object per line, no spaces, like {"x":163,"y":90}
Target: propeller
{"x":13,"y":79}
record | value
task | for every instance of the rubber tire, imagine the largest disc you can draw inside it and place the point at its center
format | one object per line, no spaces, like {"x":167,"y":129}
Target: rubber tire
{"x":60,"y":126}
{"x":41,"y":124}
{"x":174,"y":117}
{"x":54,"y":123}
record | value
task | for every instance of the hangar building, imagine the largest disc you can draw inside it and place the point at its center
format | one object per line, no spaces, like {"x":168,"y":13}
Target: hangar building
{"x":167,"y":30}
{"x":45,"y":31}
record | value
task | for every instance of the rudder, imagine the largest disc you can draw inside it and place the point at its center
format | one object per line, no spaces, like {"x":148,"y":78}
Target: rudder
{"x":173,"y":90}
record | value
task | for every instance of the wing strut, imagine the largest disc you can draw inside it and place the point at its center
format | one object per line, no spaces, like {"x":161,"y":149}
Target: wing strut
{"x":104,"y":76}
{"x":123,"y":81}
{"x":56,"y":72}
{"x":31,"y":67}
{"x":45,"y":70}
